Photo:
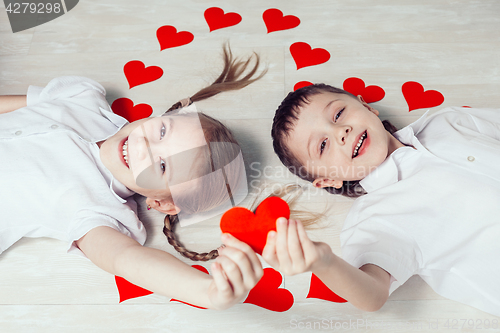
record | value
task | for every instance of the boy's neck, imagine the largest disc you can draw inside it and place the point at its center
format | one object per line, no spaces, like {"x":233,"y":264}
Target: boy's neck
{"x":395,"y":144}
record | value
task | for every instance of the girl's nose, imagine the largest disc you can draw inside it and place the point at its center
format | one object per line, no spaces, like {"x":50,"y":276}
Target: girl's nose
{"x":142,"y":148}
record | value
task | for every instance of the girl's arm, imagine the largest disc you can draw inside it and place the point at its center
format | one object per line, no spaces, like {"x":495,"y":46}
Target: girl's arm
{"x":235,"y":272}
{"x":10,"y":103}
{"x":292,"y":252}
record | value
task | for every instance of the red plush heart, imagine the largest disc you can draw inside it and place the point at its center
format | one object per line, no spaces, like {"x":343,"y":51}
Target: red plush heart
{"x":125,"y":107}
{"x":370,"y":94}
{"x":169,"y":37}
{"x":304,"y":56}
{"x":267,"y":293}
{"x":319,"y":290}
{"x":216,"y":19}
{"x":137,"y":73}
{"x":253,"y":228}
{"x":301,"y":84}
{"x":128,"y":290}
{"x":417,"y":98}
{"x":274,"y":20}
{"x":202,"y":269}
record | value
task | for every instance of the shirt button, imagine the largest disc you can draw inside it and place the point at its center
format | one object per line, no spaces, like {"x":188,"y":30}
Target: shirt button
{"x":470,"y":158}
{"x":54,"y":126}
{"x":19,"y":132}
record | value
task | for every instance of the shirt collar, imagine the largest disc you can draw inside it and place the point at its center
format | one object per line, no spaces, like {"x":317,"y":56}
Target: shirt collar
{"x":120,"y":191}
{"x":387,"y":173}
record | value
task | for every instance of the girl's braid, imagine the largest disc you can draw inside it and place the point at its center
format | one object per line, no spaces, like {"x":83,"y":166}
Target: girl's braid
{"x":168,"y":230}
{"x":233,"y":77}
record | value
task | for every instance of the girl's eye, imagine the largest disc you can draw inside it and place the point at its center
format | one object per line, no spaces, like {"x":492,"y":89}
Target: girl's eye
{"x":338,"y":114}
{"x":323,"y":144}
{"x":162,"y":131}
{"x":162,"y":166}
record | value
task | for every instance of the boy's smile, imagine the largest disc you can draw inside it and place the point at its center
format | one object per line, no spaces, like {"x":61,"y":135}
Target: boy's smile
{"x":339,"y":138}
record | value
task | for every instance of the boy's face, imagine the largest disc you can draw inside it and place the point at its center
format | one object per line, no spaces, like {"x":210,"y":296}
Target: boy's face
{"x":326,"y":135}
{"x":152,"y":147}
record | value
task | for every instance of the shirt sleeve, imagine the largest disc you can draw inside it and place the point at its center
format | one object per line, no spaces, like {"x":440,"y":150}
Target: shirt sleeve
{"x":129,"y":225}
{"x":70,"y":102}
{"x":376,"y":241}
{"x":65,"y":87}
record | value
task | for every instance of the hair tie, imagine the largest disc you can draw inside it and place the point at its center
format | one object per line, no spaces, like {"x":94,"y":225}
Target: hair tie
{"x":185,"y":102}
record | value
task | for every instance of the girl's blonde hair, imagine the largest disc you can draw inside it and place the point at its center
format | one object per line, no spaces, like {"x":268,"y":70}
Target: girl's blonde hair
{"x":231,"y":78}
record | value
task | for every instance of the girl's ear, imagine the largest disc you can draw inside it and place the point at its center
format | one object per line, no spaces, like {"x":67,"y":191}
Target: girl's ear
{"x":367,"y":106}
{"x":325,"y":182}
{"x":164,"y":206}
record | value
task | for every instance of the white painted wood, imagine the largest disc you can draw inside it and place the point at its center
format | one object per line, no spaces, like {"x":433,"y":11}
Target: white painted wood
{"x":449,"y":45}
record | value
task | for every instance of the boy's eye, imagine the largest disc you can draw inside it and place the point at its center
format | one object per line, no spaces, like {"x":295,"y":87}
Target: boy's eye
{"x":322,"y":147}
{"x":338,"y":114}
{"x":162,"y":131}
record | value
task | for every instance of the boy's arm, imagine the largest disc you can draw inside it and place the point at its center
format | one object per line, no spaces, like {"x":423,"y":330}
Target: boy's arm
{"x":10,"y":103}
{"x":160,"y":272}
{"x":367,"y":287}
{"x":291,"y":251}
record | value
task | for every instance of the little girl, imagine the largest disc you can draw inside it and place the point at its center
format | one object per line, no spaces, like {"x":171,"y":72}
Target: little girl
{"x":428,"y":198}
{"x":69,"y":167}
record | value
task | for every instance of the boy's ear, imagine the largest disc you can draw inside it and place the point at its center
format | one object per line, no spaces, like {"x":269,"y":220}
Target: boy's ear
{"x":325,"y":182}
{"x":164,"y":206}
{"x":367,"y":106}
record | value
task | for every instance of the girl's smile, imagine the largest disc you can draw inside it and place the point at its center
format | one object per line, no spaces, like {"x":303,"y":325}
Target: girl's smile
{"x":123,"y":151}
{"x":141,"y":151}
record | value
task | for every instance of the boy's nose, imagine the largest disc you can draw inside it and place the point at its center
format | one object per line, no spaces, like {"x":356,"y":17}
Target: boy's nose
{"x":342,"y":133}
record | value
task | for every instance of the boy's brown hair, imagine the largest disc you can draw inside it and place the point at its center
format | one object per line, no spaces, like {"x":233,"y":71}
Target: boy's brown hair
{"x":284,"y":121}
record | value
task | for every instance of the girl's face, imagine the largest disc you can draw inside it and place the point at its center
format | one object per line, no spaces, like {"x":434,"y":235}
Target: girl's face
{"x":152,"y":155}
{"x":327,"y":134}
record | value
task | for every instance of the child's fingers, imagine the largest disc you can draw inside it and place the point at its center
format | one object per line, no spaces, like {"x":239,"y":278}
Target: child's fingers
{"x":250,"y":276}
{"x":232,"y":241}
{"x":282,"y":243}
{"x":294,"y":245}
{"x":307,"y":245}
{"x":233,"y":273}
{"x":221,"y":283}
{"x":269,"y":251}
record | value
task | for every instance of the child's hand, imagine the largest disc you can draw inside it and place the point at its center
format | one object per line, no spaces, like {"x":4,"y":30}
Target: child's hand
{"x":289,"y":250}
{"x":235,"y":272}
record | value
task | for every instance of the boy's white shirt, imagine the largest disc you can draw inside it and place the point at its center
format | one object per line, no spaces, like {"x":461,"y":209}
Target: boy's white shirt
{"x":50,"y":147}
{"x":433,"y":210}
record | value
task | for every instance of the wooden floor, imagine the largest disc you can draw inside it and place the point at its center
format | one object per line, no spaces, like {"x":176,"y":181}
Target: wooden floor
{"x":452,"y":46}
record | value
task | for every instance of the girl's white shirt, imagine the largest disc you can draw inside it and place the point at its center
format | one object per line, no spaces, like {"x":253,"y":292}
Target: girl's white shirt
{"x":435,"y":210}
{"x":53,"y":182}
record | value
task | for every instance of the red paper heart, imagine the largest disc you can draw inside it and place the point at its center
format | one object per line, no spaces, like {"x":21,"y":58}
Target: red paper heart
{"x":319,"y":290}
{"x":301,"y":84}
{"x":125,"y":107}
{"x":370,"y":94}
{"x":216,"y":19}
{"x":267,"y":293}
{"x":304,"y":56}
{"x":169,"y":37}
{"x":253,"y":228}
{"x":202,"y":269}
{"x":128,"y":290}
{"x":275,"y":21}
{"x":137,"y":73}
{"x":417,"y":98}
